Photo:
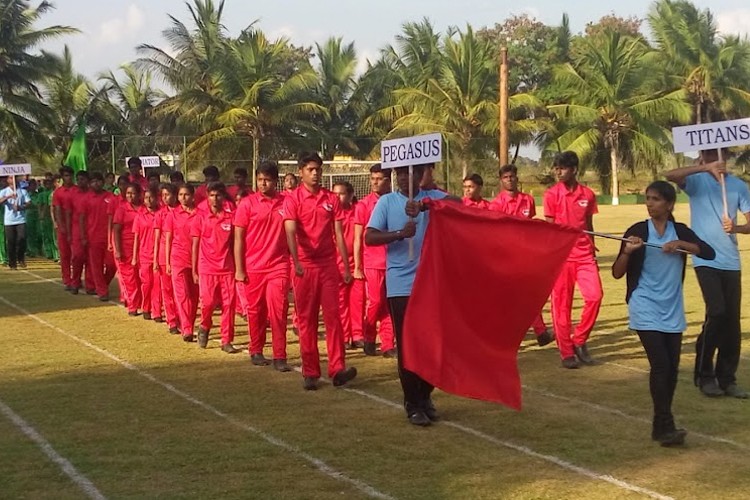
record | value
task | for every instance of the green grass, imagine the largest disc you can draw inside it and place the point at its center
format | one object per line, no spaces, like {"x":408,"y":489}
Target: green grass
{"x":134,"y":438}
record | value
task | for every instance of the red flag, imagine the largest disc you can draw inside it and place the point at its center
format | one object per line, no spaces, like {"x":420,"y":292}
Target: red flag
{"x":482,"y":279}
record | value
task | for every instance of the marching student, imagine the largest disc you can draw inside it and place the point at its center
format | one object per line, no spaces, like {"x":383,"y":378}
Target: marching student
{"x":212,"y":259}
{"x":119,"y":199}
{"x":95,"y":227}
{"x":352,"y":294}
{"x":719,"y":279}
{"x":261,"y":256}
{"x":143,"y":255}
{"x":49,"y":239}
{"x":122,"y":229}
{"x":290,"y":182}
{"x":473,"y":192}
{"x":79,"y":259}
{"x":61,"y":223}
{"x":240,"y":184}
{"x":372,"y":259}
{"x":240,"y":292}
{"x":135,"y":176}
{"x":162,"y":280}
{"x":655,"y":299}
{"x":210,"y":175}
{"x":391,"y":225}
{"x":572,"y":204}
{"x":312,"y":219}
{"x":511,"y":201}
{"x":109,"y":183}
{"x":154,"y":179}
{"x":178,"y":248}
{"x":15,"y":203}
{"x":176,"y":179}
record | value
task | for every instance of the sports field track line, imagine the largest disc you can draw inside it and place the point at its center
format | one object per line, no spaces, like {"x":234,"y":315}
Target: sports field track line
{"x":544,"y":393}
{"x":269,"y":438}
{"x":519,"y":448}
{"x":84,"y":483}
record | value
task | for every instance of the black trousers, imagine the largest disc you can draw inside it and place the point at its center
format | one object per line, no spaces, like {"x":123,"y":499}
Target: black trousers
{"x":416,"y":391}
{"x":663,"y":351}
{"x":722,"y":293}
{"x":15,"y":241}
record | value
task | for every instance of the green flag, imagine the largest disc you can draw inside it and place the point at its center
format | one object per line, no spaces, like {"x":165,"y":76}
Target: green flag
{"x":77,"y":154}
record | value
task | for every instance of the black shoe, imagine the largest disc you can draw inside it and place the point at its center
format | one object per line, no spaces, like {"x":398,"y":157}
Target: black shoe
{"x":73,"y":289}
{"x":390,"y":354}
{"x":310,"y":383}
{"x":22,"y":264}
{"x":431,"y":412}
{"x":90,"y":292}
{"x":202,"y":338}
{"x":229,"y":348}
{"x":350,"y":346}
{"x":258,"y":360}
{"x":733,"y":391}
{"x":570,"y":363}
{"x":188,"y":338}
{"x":359,"y":344}
{"x":133,"y":313}
{"x":147,"y":316}
{"x":368,"y":348}
{"x":545,"y":338}
{"x":104,"y":298}
{"x":711,"y":389}
{"x":174,"y":330}
{"x":68,"y":288}
{"x":344,"y":376}
{"x":672,"y":438}
{"x":280,"y":365}
{"x":582,"y":353}
{"x":419,"y":418}
{"x":158,"y":319}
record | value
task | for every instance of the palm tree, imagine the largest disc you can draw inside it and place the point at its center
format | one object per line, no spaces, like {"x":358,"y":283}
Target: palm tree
{"x":714,"y":72}
{"x":612,"y":108}
{"x":132,"y":100}
{"x":21,"y":72}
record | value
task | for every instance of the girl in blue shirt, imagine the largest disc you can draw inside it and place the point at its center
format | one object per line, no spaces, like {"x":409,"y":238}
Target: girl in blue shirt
{"x":655,"y":299}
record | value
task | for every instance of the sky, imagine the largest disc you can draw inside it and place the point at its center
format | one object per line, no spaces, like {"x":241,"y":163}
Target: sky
{"x":111,"y":29}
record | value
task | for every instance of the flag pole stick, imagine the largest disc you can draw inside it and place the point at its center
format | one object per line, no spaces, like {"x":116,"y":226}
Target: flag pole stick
{"x":723,"y":183}
{"x":411,"y":198}
{"x":620,"y":238}
{"x":12,"y":182}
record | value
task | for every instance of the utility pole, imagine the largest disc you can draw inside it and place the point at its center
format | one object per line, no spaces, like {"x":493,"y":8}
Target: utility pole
{"x":503,"y":144}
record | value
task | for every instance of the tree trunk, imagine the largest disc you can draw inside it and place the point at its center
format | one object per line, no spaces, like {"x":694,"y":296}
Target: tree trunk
{"x":614,"y":161}
{"x":256,"y":157}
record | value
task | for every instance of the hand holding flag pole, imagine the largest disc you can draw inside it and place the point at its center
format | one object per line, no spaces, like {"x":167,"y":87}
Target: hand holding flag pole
{"x":620,"y":238}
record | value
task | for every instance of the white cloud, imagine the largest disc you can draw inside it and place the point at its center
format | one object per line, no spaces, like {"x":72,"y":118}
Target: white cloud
{"x":362,"y":58}
{"x":734,"y":22}
{"x":122,"y":27}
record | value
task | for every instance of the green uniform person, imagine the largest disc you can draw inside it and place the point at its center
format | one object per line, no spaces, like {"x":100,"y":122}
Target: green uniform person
{"x":49,"y":239}
{"x":33,"y":230}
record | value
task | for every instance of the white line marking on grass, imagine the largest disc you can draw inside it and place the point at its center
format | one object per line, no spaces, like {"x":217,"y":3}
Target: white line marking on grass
{"x":316,"y":462}
{"x":68,"y":468}
{"x":522,"y":449}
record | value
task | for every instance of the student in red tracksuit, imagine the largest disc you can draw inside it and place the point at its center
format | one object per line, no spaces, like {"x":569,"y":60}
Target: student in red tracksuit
{"x":135,"y":176}
{"x":262,"y":259}
{"x":122,"y":226}
{"x":119,"y":199}
{"x":80,"y":253}
{"x":60,"y":218}
{"x":241,"y":293}
{"x":162,"y":280}
{"x":352,"y":294}
{"x":178,"y":251}
{"x":572,"y":204}
{"x":210,"y":174}
{"x":240,"y":185}
{"x":143,"y":255}
{"x":94,"y":226}
{"x":369,"y":265}
{"x":213,"y":266}
{"x":473,"y":192}
{"x":312,"y":215}
{"x":511,"y":201}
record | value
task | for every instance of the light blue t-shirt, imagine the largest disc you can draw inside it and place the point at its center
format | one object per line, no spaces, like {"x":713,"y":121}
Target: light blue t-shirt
{"x":657,"y":302}
{"x":13,"y":217}
{"x":390,"y":215}
{"x":707,"y":212}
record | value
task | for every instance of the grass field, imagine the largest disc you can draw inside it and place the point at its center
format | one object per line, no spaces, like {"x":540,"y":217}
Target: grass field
{"x":132,"y":412}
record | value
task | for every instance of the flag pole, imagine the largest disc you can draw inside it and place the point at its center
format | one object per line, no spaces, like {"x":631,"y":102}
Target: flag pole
{"x":620,"y":238}
{"x":723,"y":183}
{"x":411,"y":198}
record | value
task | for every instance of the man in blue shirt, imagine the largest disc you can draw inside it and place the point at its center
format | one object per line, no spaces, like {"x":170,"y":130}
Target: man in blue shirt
{"x":15,"y":202}
{"x":719,"y":279}
{"x":394,"y":221}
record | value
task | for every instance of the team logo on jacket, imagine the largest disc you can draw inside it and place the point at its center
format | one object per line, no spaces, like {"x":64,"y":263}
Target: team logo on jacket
{"x":327,"y":207}
{"x":281,"y":212}
{"x":583,"y":203}
{"x":226,"y":227}
{"x":525,"y":212}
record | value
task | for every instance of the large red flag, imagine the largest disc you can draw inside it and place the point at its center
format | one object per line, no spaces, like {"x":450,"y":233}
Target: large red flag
{"x":482,"y":279}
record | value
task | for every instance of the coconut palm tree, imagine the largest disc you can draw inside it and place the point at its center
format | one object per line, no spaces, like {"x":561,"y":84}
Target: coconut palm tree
{"x":613,"y":111}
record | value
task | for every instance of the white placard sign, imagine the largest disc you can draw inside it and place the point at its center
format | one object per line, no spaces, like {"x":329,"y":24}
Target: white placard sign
{"x":17,"y":169}
{"x":711,"y":135}
{"x":411,"y":150}
{"x":147,"y":161}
